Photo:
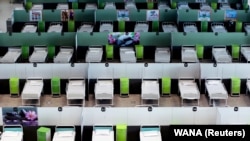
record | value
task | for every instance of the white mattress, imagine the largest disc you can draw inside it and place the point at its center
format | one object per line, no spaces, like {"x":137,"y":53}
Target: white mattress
{"x":245,"y":51}
{"x":221,"y":55}
{"x":169,"y":28}
{"x":105,"y":136}
{"x":205,"y":7}
{"x":12,"y":136}
{"x":94,"y":55}
{"x":64,"y":136}
{"x":38,"y":55}
{"x":55,"y":28}
{"x":190,"y":28}
{"x":62,"y":6}
{"x":247,"y":28}
{"x":248,"y":85}
{"x":127,"y":55}
{"x":11,"y":56}
{"x":109,"y":5}
{"x":216,"y":89}
{"x":150,"y":90}
{"x":188,"y":89}
{"x":29,"y":29}
{"x":90,"y":6}
{"x":225,"y":7}
{"x":37,"y":7}
{"x":189,"y":55}
{"x":130,"y":6}
{"x":106,"y":27}
{"x":63,"y":56}
{"x":183,"y":6}
{"x":141,"y":27}
{"x":150,"y":136}
{"x":162,"y":55}
{"x":32,"y":89}
{"x":219,"y":28}
{"x":163,"y":6}
{"x":104,"y":89}
{"x":86,"y":28}
{"x":75,"y":89}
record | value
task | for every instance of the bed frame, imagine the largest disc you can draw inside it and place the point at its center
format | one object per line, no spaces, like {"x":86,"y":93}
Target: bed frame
{"x":154,"y":96}
{"x":106,"y":23}
{"x":227,"y":54}
{"x":103,"y":95}
{"x":185,"y":59}
{"x":169,"y":27}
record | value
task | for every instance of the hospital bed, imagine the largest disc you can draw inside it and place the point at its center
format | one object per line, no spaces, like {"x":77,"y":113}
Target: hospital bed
{"x":218,"y":27}
{"x":64,"y":133}
{"x":216,"y":90}
{"x":188,"y":54}
{"x":248,"y":85}
{"x":86,"y":27}
{"x":32,"y":90}
{"x":169,"y":27}
{"x":130,"y":6}
{"x":189,"y":27}
{"x":75,"y":90}
{"x":150,"y":133}
{"x":163,"y":5}
{"x":104,"y":89}
{"x":220,"y":54}
{"x":106,"y":26}
{"x":55,"y":27}
{"x":90,"y":6}
{"x":225,"y":6}
{"x":127,"y":54}
{"x":103,"y":133}
{"x":188,"y":89}
{"x":37,"y":7}
{"x":162,"y":54}
{"x":141,"y":26}
{"x":94,"y":54}
{"x":64,"y":55}
{"x":150,"y":90}
{"x":245,"y":52}
{"x":205,"y":6}
{"x":12,"y":55}
{"x":39,"y":54}
{"x":183,"y":5}
{"x":247,"y":27}
{"x":62,"y":6}
{"x":12,"y":133}
{"x":110,"y":5}
{"x":29,"y":28}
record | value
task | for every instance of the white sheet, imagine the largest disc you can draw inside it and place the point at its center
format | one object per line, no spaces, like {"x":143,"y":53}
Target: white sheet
{"x":183,"y":5}
{"x":150,"y":89}
{"x":150,"y":136}
{"x":219,"y":28}
{"x":130,"y":6}
{"x":225,"y":6}
{"x":55,"y":28}
{"x":11,"y":56}
{"x":188,"y":89}
{"x":29,"y":28}
{"x":169,"y":27}
{"x":141,"y":27}
{"x":64,"y":136}
{"x":104,"y":89}
{"x":110,"y":5}
{"x":221,"y":55}
{"x":247,"y":28}
{"x":37,"y":7}
{"x":216,"y":89}
{"x":245,"y":51}
{"x":75,"y":89}
{"x":90,"y":6}
{"x":12,"y":136}
{"x":61,"y":6}
{"x":248,"y":85}
{"x":162,"y":55}
{"x":163,"y":5}
{"x":103,"y":137}
{"x":86,"y":28}
{"x":106,"y":27}
{"x":32,"y":89}
{"x":127,"y":54}
{"x":39,"y":55}
{"x":63,"y":56}
{"x":190,"y":28}
{"x":188,"y":54}
{"x":94,"y":54}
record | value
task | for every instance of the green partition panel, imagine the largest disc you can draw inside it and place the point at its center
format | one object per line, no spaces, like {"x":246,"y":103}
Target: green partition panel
{"x":97,"y":38}
{"x":124,"y":86}
{"x":185,"y":16}
{"x":214,"y":5}
{"x":28,"y":5}
{"x":21,"y":16}
{"x":235,"y":51}
{"x":25,"y":52}
{"x":204,"y":26}
{"x":238,"y":26}
{"x":121,"y":26}
{"x":135,"y":15}
{"x":41,"y":26}
{"x":51,"y":15}
{"x":51,"y":51}
{"x":166,"y":86}
{"x":235,"y":86}
{"x":86,"y":15}
{"x":55,"y":86}
{"x":106,"y":15}
{"x":71,"y":26}
{"x":49,"y":1}
{"x":74,"y":5}
{"x":154,"y":39}
{"x":150,"y":5}
{"x":139,"y":49}
{"x":168,"y":15}
{"x":121,"y":132}
{"x":109,"y":52}
{"x":155,"y":26}
{"x":14,"y":86}
{"x":200,"y":51}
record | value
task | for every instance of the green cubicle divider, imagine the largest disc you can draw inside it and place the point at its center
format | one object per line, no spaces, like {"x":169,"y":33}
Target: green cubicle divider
{"x":96,"y":38}
{"x":106,"y":15}
{"x":168,"y":15}
{"x":48,"y":1}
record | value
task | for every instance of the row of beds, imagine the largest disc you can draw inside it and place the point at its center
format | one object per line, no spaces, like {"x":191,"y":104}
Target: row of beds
{"x":68,"y":133}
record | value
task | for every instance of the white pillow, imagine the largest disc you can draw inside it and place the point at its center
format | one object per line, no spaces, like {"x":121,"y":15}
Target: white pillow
{"x":10,"y":134}
{"x":102,"y":132}
{"x":150,"y":133}
{"x":65,"y":133}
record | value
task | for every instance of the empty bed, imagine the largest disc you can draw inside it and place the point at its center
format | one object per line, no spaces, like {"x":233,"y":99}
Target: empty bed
{"x":29,"y":28}
{"x":37,"y":7}
{"x":188,"y":54}
{"x":55,"y":27}
{"x":64,"y":133}
{"x":32,"y":90}
{"x":189,"y":27}
{"x":103,"y":133}
{"x":75,"y":90}
{"x":104,"y":90}
{"x":169,"y":27}
{"x":225,"y":6}
{"x":90,"y":6}
{"x":218,"y":27}
{"x":94,"y":54}
{"x":150,"y":90}
{"x":183,"y":5}
{"x":12,"y":133}
{"x":245,"y":51}
{"x":110,"y":5}
{"x":141,"y":26}
{"x":247,"y":27}
{"x":12,"y":55}
{"x":150,"y":133}
{"x":221,"y":55}
{"x":130,"y":6}
{"x":205,"y":6}
{"x":106,"y":26}
{"x":62,"y":6}
{"x":127,"y":55}
{"x":39,"y":54}
{"x":162,"y":55}
{"x":188,"y":89}
{"x":64,"y":55}
{"x":86,"y":27}
{"x":216,"y":89}
{"x":163,"y":5}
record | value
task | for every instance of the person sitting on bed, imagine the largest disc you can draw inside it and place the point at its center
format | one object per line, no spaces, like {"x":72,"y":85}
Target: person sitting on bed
{"x":124,"y":40}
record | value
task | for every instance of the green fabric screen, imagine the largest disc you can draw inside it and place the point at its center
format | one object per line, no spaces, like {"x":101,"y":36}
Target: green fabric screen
{"x":235,"y":51}
{"x":166,"y":86}
{"x":204,"y":26}
{"x":25,"y":52}
{"x":109,"y":52}
{"x":51,"y":51}
{"x":55,"y":86}
{"x":121,"y":132}
{"x":121,"y":26}
{"x":14,"y":86}
{"x":71,"y":26}
{"x":155,"y":26}
{"x":41,"y":26}
{"x":124,"y":86}
{"x":139,"y":51}
{"x":235,"y":86}
{"x":200,"y":51}
{"x":238,"y":26}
